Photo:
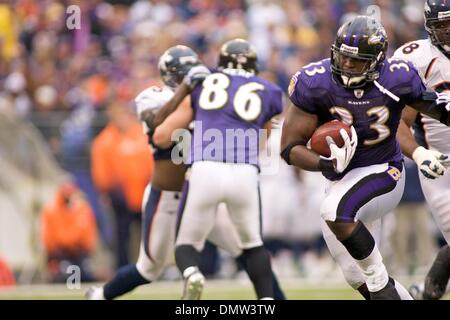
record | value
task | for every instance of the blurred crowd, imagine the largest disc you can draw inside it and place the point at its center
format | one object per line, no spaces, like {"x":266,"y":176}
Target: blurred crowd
{"x":113,"y":53}
{"x":62,"y":77}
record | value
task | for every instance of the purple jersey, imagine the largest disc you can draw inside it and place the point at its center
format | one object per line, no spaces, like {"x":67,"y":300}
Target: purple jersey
{"x":231,"y":107}
{"x":374,"y":115}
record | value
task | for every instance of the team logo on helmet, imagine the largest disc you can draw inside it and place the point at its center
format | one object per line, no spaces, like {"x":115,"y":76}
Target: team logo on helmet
{"x":175,"y":63}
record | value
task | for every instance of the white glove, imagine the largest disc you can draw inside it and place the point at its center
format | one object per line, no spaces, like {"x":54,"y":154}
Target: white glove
{"x":431,"y":163}
{"x":152,"y":99}
{"x":341,"y":157}
{"x":195,"y":75}
{"x":443,"y":98}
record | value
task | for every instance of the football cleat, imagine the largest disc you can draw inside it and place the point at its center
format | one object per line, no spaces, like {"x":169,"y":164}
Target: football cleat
{"x":94,"y":293}
{"x":438,"y":277}
{"x":434,"y":290}
{"x":193,"y":286}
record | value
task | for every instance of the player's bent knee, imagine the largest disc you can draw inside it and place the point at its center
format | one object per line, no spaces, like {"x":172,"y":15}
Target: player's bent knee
{"x":150,"y":271}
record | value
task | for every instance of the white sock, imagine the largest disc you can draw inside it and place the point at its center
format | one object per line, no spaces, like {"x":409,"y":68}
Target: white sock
{"x":374,"y":271}
{"x":402,"y":292}
{"x":189,"y":271}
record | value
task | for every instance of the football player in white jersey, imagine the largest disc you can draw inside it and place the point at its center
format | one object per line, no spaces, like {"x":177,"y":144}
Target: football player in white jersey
{"x":163,"y":195}
{"x":431,"y":145}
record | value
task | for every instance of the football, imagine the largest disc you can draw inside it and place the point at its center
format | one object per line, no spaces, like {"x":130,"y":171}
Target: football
{"x":318,"y":140}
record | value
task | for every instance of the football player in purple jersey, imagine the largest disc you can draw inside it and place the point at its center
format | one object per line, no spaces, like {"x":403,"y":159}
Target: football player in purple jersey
{"x":359,"y":86}
{"x":231,"y":107}
{"x":162,"y":196}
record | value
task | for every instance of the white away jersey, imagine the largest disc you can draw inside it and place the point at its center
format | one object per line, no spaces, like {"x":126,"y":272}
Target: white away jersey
{"x":152,"y":99}
{"x":434,"y":68}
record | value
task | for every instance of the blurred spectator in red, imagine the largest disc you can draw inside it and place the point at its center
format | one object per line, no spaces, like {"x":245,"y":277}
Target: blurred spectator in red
{"x":6,"y":275}
{"x":69,"y":233}
{"x":122,"y":166}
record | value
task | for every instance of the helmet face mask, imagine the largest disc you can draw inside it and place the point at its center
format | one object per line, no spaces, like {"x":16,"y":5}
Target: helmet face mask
{"x":238,"y":54}
{"x":358,"y":51}
{"x":351,"y":66}
{"x":441,"y":34}
{"x":175,"y":63}
{"x":437,"y":22}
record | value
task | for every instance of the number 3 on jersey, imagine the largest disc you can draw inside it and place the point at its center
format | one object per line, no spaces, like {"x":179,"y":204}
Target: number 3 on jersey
{"x":247,"y":104}
{"x":381,"y":115}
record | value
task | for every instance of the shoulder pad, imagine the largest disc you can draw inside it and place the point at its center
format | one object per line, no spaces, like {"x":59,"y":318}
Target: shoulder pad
{"x":418,"y":52}
{"x":152,"y":98}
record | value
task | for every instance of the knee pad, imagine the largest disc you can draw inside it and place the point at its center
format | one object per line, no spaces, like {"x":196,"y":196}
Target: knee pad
{"x":360,"y":244}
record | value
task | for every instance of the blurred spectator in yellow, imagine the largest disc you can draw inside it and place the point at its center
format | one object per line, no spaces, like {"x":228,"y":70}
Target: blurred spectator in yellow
{"x":122,"y":166}
{"x":8,"y":32}
{"x":69,"y":233}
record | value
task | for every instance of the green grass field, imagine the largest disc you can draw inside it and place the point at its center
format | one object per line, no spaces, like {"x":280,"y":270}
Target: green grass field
{"x":295,"y":289}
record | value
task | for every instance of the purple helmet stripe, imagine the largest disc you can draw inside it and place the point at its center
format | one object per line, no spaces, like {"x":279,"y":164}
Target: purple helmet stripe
{"x":356,"y":38}
{"x":347,"y":39}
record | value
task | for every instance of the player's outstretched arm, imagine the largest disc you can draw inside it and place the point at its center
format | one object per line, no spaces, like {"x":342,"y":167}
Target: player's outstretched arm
{"x":435,"y":105}
{"x":404,"y":136}
{"x":179,"y":119}
{"x":298,"y":128}
{"x":194,"y":77}
{"x":182,"y":91}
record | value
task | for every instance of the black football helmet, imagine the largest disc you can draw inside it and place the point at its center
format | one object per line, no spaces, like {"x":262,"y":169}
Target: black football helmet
{"x":238,"y":54}
{"x":436,"y":12}
{"x":364,"y":39}
{"x":175,"y":63}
